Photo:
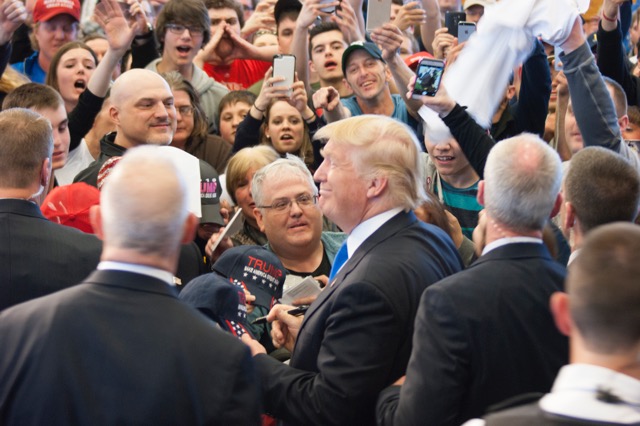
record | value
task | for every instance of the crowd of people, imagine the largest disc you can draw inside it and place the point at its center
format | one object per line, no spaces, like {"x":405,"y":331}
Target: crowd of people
{"x":187,"y":239}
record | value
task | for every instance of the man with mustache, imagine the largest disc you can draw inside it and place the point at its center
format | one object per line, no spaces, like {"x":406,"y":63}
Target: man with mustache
{"x":143,"y":112}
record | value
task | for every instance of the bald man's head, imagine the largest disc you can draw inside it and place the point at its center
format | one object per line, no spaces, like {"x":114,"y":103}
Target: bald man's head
{"x":142,"y":109}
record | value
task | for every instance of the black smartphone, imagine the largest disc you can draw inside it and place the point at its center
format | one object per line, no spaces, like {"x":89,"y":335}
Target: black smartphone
{"x":465,"y":30}
{"x":428,"y":77}
{"x":451,"y":21}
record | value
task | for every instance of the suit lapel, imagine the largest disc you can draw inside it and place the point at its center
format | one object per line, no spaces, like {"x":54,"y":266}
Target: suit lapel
{"x":389,"y":229}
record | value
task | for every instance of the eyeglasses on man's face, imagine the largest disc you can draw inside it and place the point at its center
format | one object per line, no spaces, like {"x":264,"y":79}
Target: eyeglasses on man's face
{"x":284,"y":204}
{"x":178,"y":29}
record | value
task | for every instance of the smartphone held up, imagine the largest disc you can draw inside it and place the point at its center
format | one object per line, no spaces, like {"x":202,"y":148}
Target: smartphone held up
{"x":284,"y":66}
{"x":428,"y":77}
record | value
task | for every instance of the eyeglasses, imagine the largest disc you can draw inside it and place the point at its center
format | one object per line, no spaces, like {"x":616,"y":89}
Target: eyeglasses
{"x":283,"y":204}
{"x":185,"y":110}
{"x":179,"y":29}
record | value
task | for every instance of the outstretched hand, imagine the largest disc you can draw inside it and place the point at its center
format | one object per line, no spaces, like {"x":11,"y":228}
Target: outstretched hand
{"x":119,"y":31}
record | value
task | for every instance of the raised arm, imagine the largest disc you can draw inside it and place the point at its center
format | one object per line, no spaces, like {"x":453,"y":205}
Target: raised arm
{"x":431,"y":24}
{"x":611,"y":55}
{"x":535,"y":91}
{"x":389,"y":38}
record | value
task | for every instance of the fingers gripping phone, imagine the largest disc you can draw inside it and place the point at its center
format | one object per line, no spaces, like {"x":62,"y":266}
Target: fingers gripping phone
{"x":284,"y":66}
{"x":465,"y":30}
{"x":428,"y":77}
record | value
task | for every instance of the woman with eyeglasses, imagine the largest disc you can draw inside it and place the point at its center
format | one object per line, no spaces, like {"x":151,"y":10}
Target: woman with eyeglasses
{"x":191,"y":131}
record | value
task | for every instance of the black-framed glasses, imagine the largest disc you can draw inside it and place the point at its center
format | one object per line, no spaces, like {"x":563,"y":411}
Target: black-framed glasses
{"x":283,"y":204}
{"x":178,"y":29}
{"x":185,"y":110}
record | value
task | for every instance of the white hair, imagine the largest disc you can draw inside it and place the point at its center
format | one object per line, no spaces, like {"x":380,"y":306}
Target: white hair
{"x":144,"y":202}
{"x":522,"y":181}
{"x":283,"y":168}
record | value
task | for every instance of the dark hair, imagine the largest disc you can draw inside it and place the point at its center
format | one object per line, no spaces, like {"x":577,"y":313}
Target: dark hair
{"x":227,"y":4}
{"x":322,"y":27}
{"x":602,"y":187}
{"x":52,"y":75}
{"x":199,"y":133}
{"x":234,"y":97}
{"x":603,"y":289}
{"x":33,"y":96}
{"x":184,"y":12}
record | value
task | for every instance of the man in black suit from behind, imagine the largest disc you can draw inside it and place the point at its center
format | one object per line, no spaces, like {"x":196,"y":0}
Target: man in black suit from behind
{"x":487,"y":333}
{"x":38,"y":256}
{"x":356,"y":336}
{"x":120,"y":348}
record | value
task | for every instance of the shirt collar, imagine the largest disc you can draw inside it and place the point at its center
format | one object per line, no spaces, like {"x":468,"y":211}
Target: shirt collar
{"x":150,"y":271}
{"x":509,"y":240}
{"x":364,"y":230}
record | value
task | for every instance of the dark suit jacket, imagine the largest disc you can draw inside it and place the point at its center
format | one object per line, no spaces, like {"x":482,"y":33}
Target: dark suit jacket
{"x":356,"y":337}
{"x":482,"y":336}
{"x":120,"y":348}
{"x":38,"y":257}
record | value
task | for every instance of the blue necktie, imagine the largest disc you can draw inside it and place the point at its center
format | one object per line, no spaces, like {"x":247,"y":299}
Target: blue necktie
{"x":341,"y":257}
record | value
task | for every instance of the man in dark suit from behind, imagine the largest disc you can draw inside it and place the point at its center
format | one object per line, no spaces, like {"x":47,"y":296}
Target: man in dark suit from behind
{"x":355,"y":338}
{"x":599,"y":312}
{"x":487,"y":333}
{"x":120,"y":348}
{"x":38,"y":256}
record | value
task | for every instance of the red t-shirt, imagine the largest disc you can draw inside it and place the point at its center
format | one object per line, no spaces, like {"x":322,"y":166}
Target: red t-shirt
{"x":240,"y":75}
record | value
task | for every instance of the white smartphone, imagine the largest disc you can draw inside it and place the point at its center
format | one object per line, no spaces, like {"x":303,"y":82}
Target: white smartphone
{"x":378,"y":13}
{"x":465,"y":30}
{"x":284,"y":66}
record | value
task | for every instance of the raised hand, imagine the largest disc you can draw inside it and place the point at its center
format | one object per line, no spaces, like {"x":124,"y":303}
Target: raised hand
{"x":119,"y":31}
{"x":409,"y":15}
{"x":12,"y":15}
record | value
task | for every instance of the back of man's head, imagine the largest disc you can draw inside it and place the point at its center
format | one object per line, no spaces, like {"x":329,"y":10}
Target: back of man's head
{"x":603,"y":289}
{"x":144,"y":203}
{"x":26,"y":141}
{"x":385,"y":147}
{"x":522,"y":180}
{"x":602,"y":187}
{"x":33,"y":96}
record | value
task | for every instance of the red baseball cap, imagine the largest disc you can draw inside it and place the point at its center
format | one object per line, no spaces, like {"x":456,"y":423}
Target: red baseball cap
{"x":47,"y":9}
{"x":69,"y":205}
{"x":413,"y":60}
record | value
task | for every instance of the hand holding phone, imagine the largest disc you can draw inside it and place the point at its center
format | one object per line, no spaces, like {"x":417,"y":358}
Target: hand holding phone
{"x":428,"y":77}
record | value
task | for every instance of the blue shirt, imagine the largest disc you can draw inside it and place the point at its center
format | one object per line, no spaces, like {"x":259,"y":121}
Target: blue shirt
{"x":31,"y":68}
{"x":400,"y":112}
